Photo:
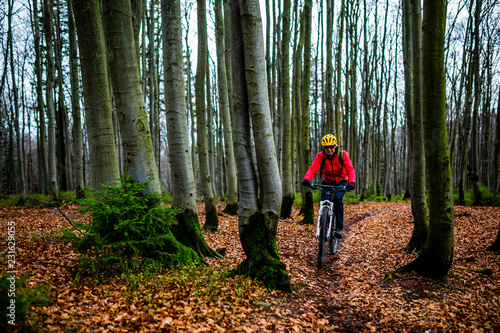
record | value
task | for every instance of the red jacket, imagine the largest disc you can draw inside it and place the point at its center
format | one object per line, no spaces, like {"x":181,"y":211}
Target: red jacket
{"x":333,"y":171}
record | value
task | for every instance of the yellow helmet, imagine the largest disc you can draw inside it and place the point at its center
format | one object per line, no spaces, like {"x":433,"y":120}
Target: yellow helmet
{"x":328,"y":140}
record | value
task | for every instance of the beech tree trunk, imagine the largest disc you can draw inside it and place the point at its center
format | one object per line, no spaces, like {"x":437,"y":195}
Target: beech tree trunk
{"x":212,"y":219}
{"x":20,"y":166}
{"x":139,"y":160}
{"x":230,"y":163}
{"x":188,"y":231}
{"x":64,"y":165}
{"x":475,"y":114}
{"x":258,"y":227}
{"x":304,"y":148}
{"x":417,"y":174}
{"x":49,"y":100}
{"x":75,"y":102}
{"x":307,"y":208}
{"x":41,"y":137}
{"x":94,"y":67}
{"x":286,"y":160}
{"x":329,"y":115}
{"x":437,"y":254}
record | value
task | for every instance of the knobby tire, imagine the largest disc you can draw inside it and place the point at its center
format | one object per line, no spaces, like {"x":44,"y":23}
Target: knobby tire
{"x":335,"y":245}
{"x":322,"y":236}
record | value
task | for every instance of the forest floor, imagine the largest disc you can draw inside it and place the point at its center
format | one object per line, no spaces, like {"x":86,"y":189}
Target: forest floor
{"x":355,"y":291}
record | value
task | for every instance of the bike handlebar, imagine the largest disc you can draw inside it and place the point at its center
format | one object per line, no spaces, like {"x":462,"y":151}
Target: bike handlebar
{"x":328,"y":188}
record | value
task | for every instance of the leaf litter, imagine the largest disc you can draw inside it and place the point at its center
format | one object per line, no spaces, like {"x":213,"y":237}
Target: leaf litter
{"x":355,"y":291}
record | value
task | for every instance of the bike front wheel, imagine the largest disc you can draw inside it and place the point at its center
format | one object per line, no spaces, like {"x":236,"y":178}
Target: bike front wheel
{"x":322,"y":235}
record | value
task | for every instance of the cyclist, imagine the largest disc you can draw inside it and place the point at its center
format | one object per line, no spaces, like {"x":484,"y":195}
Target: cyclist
{"x":336,"y":169}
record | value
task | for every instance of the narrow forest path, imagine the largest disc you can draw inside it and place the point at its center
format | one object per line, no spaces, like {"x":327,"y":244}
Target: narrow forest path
{"x":355,"y":291}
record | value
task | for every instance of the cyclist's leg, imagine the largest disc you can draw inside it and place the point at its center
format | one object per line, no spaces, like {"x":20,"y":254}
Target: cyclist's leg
{"x":339,"y":207}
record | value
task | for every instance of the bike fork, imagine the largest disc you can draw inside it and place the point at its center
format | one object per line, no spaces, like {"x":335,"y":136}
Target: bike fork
{"x":330,"y":220}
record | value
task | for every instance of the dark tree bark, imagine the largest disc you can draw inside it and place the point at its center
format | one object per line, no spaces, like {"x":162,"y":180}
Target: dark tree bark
{"x":64,"y":168}
{"x":417,"y":173}
{"x":475,"y":113}
{"x":20,"y":177}
{"x":437,"y":255}
{"x":41,"y":137}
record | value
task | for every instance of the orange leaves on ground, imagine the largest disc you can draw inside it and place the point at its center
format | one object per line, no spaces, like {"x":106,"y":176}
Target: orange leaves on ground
{"x":356,"y":290}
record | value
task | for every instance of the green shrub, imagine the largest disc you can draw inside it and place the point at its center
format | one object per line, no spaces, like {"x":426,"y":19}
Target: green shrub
{"x":488,"y":198}
{"x":9,"y":200}
{"x":130,"y":228}
{"x":37,"y":199}
{"x":15,"y":301}
{"x":351,"y":198}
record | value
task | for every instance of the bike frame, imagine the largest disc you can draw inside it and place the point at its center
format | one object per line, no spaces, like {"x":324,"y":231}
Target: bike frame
{"x":330,"y":209}
{"x":331,"y":189}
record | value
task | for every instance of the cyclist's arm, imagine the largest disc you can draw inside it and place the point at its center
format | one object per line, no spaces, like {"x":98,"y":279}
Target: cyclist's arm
{"x":351,"y":173}
{"x":315,"y":166}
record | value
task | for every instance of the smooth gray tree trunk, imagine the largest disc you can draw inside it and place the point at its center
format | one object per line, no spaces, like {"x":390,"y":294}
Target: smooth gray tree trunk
{"x":212,"y":219}
{"x":94,"y":67}
{"x":49,"y":99}
{"x":230,"y":162}
{"x":188,"y":231}
{"x":258,"y":227}
{"x":75,"y":102}
{"x":138,"y":152}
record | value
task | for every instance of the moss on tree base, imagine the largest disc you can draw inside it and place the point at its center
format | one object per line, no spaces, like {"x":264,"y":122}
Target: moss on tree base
{"x":174,"y":253}
{"x":188,"y":232}
{"x":263,"y":261}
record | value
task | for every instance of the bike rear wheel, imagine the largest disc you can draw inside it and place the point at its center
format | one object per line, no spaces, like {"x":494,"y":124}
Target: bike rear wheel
{"x":322,"y":235}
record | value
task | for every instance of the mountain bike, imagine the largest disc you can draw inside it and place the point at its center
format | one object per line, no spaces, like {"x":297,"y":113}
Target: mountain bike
{"x":324,"y":230}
